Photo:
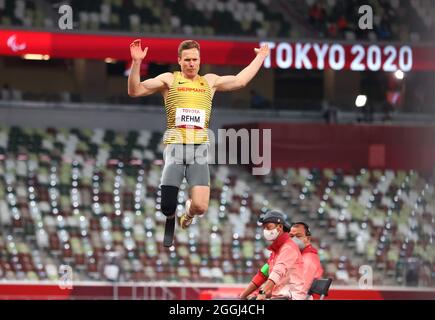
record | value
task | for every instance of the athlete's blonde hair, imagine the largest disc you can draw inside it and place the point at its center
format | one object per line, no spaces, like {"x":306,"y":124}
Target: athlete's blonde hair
{"x":187,"y":44}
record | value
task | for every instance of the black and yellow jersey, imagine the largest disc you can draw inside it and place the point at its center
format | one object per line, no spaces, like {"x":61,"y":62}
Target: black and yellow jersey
{"x":188,"y":108}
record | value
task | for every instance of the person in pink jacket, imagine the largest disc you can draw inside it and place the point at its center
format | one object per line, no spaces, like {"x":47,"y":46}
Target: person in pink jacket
{"x":301,"y":235}
{"x":282,"y":276}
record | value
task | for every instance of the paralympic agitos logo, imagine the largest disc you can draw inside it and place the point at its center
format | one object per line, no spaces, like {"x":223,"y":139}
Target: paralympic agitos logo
{"x":14,"y":45}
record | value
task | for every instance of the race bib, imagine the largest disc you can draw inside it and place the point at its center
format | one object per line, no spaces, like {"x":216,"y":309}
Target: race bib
{"x":190,"y":118}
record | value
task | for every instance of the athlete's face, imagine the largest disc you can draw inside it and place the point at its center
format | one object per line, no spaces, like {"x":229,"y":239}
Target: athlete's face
{"x":189,"y":62}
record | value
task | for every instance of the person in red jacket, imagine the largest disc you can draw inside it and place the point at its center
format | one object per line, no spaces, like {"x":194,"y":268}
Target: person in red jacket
{"x":301,"y":235}
{"x":282,"y":276}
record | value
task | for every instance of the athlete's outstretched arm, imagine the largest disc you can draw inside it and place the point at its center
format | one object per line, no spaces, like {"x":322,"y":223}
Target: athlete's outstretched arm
{"x":147,"y":87}
{"x":228,"y":83}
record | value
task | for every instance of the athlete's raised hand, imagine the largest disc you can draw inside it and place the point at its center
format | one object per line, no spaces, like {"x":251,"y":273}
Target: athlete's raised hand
{"x":136,"y":50}
{"x":263,"y":50}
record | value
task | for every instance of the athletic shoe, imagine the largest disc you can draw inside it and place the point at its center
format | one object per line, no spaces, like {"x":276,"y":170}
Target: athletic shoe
{"x":186,"y":219}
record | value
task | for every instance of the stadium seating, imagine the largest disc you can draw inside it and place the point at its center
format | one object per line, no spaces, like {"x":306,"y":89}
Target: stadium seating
{"x":74,"y":196}
{"x":392,"y":20}
{"x":200,"y":18}
{"x":381,"y":218}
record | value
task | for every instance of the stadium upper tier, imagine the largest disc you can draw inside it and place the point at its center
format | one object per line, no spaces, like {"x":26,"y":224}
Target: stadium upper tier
{"x":335,"y":19}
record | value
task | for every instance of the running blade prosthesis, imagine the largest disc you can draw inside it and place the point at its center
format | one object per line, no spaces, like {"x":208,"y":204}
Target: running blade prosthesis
{"x":168,"y":239}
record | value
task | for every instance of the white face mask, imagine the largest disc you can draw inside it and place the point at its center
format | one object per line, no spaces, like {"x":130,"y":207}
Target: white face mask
{"x":299,"y":242}
{"x":270,"y":235}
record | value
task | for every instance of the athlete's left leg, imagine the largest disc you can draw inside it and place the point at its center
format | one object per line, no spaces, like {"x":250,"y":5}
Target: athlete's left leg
{"x":200,"y":196}
{"x":196,"y":205}
{"x":198,"y":177}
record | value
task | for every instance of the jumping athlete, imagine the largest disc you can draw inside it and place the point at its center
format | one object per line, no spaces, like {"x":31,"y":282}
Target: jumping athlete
{"x":188,"y":102}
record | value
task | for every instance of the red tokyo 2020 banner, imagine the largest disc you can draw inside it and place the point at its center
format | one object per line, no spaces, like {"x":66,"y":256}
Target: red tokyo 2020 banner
{"x":306,"y":55}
